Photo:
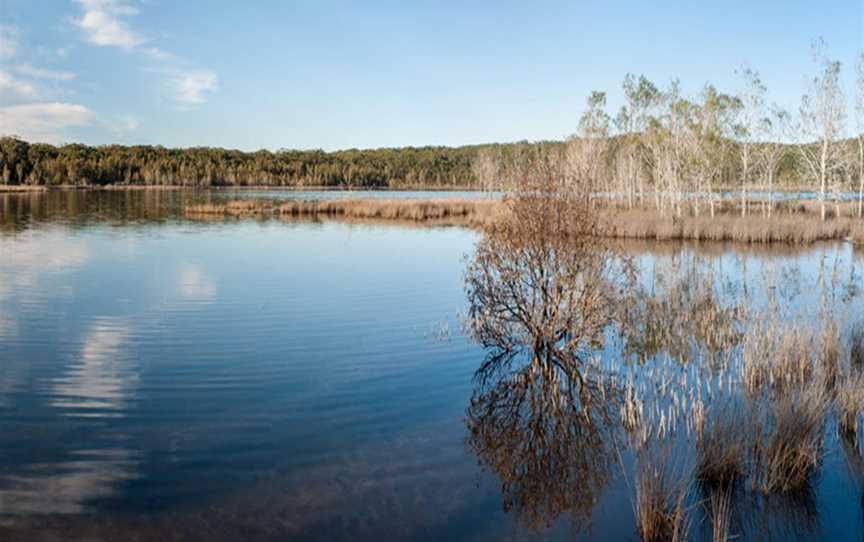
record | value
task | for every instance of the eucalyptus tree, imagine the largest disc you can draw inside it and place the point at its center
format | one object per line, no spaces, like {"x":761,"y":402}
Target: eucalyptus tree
{"x":585,"y":152}
{"x":750,"y":115}
{"x":712,"y":127}
{"x":822,"y":117}
{"x":486,"y":167}
{"x":666,"y":138}
{"x":641,"y":97}
{"x":777,"y":127}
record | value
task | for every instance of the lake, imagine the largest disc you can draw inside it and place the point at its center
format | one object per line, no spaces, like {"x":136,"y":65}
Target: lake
{"x":164,"y":378}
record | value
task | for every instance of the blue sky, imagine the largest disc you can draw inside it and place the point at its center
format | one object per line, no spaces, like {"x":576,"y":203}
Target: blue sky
{"x":326,"y":74}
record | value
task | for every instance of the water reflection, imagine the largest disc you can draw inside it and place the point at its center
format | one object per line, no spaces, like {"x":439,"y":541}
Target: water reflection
{"x":194,"y":284}
{"x":547,"y":438}
{"x":101,"y":382}
{"x":742,"y":384}
{"x":66,"y":487}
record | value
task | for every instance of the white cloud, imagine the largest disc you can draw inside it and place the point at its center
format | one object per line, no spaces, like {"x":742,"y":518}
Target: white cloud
{"x":42,"y":121}
{"x":41,"y":73}
{"x":11,"y":88}
{"x":190,"y":88}
{"x":122,"y":125}
{"x":8,"y":41}
{"x":102,"y":23}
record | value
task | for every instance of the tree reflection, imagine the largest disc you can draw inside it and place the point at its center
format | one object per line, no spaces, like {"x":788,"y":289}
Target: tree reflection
{"x":548,"y":438}
{"x":542,"y":295}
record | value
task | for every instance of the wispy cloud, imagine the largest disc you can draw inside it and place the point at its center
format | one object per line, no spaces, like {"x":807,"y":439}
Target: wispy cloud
{"x":103,"y":25}
{"x":42,"y":73}
{"x":190,"y":88}
{"x":8,"y":41}
{"x":12,"y":89}
{"x":43,"y":121}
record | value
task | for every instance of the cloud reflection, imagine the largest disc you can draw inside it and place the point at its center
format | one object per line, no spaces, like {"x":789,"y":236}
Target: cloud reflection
{"x":194,"y":283}
{"x":65,"y":488}
{"x":102,"y":380}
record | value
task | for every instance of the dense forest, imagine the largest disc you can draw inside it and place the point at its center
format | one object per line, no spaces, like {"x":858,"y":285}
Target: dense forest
{"x":80,"y":165}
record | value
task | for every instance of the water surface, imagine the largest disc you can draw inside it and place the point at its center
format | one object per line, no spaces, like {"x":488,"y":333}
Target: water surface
{"x":271,"y":380}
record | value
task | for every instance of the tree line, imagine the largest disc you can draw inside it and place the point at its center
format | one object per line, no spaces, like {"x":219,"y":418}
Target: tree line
{"x":23,"y":163}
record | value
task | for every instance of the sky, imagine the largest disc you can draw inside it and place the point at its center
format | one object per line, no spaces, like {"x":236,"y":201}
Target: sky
{"x":301,"y":74}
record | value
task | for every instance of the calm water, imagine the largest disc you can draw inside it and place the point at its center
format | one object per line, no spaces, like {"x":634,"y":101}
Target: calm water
{"x":269,"y":380}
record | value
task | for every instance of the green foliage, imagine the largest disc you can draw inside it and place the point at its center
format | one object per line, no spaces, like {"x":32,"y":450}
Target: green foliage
{"x":80,"y":165}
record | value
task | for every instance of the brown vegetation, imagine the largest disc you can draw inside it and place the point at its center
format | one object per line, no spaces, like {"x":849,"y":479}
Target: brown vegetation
{"x":460,"y":212}
{"x":796,"y":224}
{"x":661,"y":498}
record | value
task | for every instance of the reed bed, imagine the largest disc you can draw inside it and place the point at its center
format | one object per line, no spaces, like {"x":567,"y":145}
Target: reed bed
{"x":793,"y":224}
{"x":440,"y":211}
{"x":789,"y":229}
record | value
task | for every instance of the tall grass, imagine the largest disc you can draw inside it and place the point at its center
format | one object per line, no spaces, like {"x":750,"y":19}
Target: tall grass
{"x":794,"y":224}
{"x":722,"y":442}
{"x":455,"y":211}
{"x":721,"y":515}
{"x":787,"y":451}
{"x":661,"y":495}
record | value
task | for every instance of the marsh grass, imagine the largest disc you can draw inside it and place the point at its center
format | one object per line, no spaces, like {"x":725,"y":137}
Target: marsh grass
{"x":850,"y":404}
{"x":787,"y":450}
{"x":790,"y":228}
{"x":722,"y":442}
{"x":661,"y":495}
{"x":720,"y":512}
{"x":794,"y":224}
{"x":452,"y":210}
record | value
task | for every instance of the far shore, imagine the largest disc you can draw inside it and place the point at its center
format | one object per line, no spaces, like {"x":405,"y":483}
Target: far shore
{"x":261,"y":187}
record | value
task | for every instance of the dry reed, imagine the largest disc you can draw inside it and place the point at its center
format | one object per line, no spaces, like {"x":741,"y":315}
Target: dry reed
{"x":789,"y":453}
{"x":721,"y":515}
{"x":721,"y":448}
{"x":661,"y":498}
{"x":793,"y":224}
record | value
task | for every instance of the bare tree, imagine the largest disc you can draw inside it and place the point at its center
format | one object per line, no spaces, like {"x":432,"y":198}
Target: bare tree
{"x":710,"y":133}
{"x":822,"y":115}
{"x":486,"y":167}
{"x":859,"y":125}
{"x":641,"y":97}
{"x":586,"y":151}
{"x":751,"y":113}
{"x":777,"y":128}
